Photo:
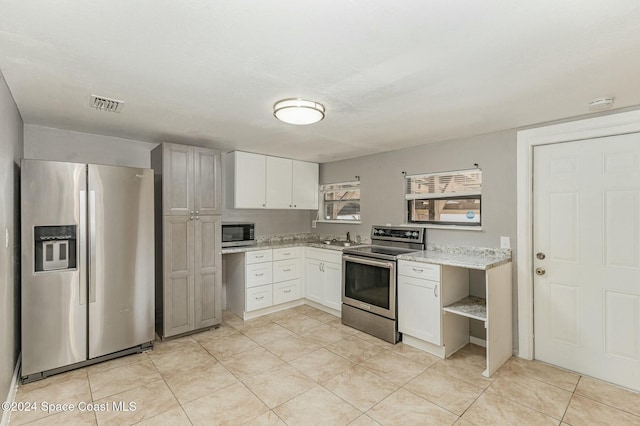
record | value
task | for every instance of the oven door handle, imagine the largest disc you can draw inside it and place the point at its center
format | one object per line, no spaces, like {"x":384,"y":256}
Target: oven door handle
{"x":366,"y":261}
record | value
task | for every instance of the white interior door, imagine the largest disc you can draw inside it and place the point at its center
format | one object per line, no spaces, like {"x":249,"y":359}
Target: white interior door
{"x":587,"y":227}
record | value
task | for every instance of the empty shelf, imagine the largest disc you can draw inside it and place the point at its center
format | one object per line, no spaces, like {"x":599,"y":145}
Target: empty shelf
{"x":471,"y":307}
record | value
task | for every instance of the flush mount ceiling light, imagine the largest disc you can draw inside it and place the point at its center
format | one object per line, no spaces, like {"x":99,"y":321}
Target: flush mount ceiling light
{"x":298,"y":111}
{"x":600,"y":104}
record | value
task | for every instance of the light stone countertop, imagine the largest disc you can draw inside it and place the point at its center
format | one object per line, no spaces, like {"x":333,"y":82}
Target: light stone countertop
{"x":270,"y":244}
{"x":461,"y":256}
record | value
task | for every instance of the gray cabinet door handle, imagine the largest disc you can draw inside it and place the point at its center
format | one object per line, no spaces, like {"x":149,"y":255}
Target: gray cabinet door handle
{"x":435,"y":291}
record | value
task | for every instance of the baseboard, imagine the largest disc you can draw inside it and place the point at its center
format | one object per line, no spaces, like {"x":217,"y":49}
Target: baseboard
{"x":477,"y":341}
{"x":11,"y":396}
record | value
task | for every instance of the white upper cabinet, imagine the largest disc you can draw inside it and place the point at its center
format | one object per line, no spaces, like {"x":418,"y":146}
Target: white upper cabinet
{"x":246,"y":174}
{"x":304,"y":193}
{"x":255,"y":181}
{"x":278,"y":183}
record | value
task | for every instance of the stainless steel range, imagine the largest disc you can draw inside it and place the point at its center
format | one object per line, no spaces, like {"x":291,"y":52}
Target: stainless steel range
{"x":369,"y":279}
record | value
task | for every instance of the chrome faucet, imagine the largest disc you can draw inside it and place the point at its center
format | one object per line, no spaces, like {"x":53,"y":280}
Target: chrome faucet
{"x":348,"y":237}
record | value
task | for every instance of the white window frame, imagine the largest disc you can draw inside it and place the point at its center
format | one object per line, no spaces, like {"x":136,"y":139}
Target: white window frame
{"x":443,"y":195}
{"x":321,"y":209}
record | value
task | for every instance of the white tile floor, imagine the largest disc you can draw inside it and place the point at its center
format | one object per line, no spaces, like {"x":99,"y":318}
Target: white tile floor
{"x":302,"y":367}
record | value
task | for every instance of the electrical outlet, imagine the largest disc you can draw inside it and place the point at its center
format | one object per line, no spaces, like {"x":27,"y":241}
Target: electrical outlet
{"x":505,"y":242}
{"x":314,"y":224}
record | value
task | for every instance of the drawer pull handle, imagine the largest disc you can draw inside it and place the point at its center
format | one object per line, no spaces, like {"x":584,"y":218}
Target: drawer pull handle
{"x":259,"y":257}
{"x":286,"y":270}
{"x":260,"y":298}
{"x":418,"y":270}
{"x":260,"y":274}
{"x":286,"y":254}
{"x":435,"y":291}
{"x":288,"y":291}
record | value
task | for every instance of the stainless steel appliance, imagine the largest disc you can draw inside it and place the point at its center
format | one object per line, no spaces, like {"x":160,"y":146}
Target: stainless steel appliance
{"x":87,"y":264}
{"x":238,"y":234}
{"x":369,"y":280}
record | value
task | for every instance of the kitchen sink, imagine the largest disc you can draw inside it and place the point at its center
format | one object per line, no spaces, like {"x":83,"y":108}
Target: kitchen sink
{"x":337,"y":243}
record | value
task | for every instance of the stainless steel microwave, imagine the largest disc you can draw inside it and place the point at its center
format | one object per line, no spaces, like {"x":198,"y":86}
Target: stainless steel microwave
{"x":238,"y":234}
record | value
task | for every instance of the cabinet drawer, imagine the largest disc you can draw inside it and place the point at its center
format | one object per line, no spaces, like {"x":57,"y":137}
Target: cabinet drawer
{"x":325,"y":255}
{"x":258,"y":256}
{"x":259,"y":297}
{"x":425,"y":271}
{"x":286,"y":253}
{"x":284,"y":270}
{"x":286,"y":291}
{"x":259,"y":274}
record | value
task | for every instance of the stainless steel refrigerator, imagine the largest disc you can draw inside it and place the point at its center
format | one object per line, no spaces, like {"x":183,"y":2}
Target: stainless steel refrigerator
{"x":87,"y":264}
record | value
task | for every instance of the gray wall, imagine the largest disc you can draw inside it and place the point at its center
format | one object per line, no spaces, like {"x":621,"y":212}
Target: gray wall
{"x":382,"y":185}
{"x":382,"y":196}
{"x":46,"y":143}
{"x":11,"y":146}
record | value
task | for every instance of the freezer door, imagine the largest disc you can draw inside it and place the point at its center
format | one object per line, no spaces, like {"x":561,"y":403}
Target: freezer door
{"x":54,"y":302}
{"x":121,"y":258}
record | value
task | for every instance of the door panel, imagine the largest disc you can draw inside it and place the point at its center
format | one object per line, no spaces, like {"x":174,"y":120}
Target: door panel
{"x":177,"y":182}
{"x":333,"y":285}
{"x":278,"y":185}
{"x":314,"y":281}
{"x":305,"y":185}
{"x":419,"y":310}
{"x":121,"y":281}
{"x":249,"y":180}
{"x":179,"y":284}
{"x":587,"y":224}
{"x":54,"y":306}
{"x":207,"y":176}
{"x":208,"y":280}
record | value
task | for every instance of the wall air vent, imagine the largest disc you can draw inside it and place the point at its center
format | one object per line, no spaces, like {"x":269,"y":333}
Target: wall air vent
{"x":105,"y":104}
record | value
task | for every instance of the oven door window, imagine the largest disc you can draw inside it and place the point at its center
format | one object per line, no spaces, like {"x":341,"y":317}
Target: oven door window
{"x":368,"y":284}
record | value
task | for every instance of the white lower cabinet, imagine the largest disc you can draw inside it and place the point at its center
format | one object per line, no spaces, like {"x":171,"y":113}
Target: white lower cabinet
{"x":262,"y":278}
{"x":323,"y":277}
{"x":419,"y":309}
{"x":286,"y":291}
{"x":259,"y":297}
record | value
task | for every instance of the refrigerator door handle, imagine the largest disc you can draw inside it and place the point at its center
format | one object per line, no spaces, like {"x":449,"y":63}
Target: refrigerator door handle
{"x":92,"y":246}
{"x":82,"y":249}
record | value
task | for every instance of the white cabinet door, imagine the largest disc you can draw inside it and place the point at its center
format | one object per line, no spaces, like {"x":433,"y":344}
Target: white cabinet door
{"x":249,"y":180}
{"x":305,"y":185}
{"x":587,"y":225}
{"x":314,"y":280}
{"x":333,"y":285}
{"x":419,"y":309}
{"x":278,"y":183}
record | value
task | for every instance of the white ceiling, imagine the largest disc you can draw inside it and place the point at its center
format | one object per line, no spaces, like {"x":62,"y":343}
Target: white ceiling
{"x":391,"y":74}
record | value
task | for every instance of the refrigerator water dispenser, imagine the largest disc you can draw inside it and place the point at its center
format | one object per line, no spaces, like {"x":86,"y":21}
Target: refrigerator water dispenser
{"x":55,"y":248}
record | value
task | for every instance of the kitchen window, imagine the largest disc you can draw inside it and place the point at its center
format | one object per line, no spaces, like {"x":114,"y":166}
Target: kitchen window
{"x":449,"y":198}
{"x":340,"y":202}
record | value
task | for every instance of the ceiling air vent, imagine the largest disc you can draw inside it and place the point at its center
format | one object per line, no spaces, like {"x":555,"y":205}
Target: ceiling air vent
{"x":105,"y":104}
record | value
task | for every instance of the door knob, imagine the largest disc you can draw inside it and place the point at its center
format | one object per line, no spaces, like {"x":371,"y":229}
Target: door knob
{"x":540,"y":255}
{"x":540,"y":271}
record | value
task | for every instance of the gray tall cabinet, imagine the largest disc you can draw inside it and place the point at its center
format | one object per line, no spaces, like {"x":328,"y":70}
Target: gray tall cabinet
{"x":188,"y":238}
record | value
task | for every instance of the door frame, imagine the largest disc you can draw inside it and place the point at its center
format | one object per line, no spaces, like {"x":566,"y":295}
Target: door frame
{"x":608,"y":125}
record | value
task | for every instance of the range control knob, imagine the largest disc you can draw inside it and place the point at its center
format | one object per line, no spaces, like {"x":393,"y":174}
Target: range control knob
{"x":408,"y":233}
{"x":415,"y":235}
